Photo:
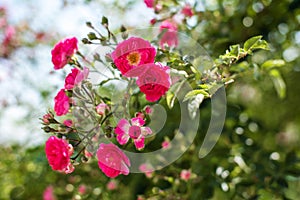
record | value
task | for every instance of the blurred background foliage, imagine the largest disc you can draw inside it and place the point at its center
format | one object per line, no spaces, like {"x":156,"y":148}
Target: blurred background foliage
{"x":258,"y":153}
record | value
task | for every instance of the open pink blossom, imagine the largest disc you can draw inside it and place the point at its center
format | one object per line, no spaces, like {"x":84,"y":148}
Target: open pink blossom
{"x":61,"y":103}
{"x":131,"y":53}
{"x":187,"y":11}
{"x":101,"y":108}
{"x":58,"y":153}
{"x":149,"y":3}
{"x":49,"y":194}
{"x":153,"y":80}
{"x":169,"y":37}
{"x":185,"y":174}
{"x":112,"y":161}
{"x":63,"y":51}
{"x":133,"y":130}
{"x":75,"y":77}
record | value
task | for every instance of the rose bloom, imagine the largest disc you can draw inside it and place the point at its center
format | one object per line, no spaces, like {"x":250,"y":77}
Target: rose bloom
{"x":58,"y":153}
{"x":61,"y":103}
{"x":187,"y":11}
{"x":131,"y":53}
{"x":153,"y":80}
{"x":75,"y":77}
{"x":112,"y":185}
{"x":48,"y":194}
{"x":112,"y":161}
{"x":10,"y":32}
{"x":165,"y":144}
{"x":185,"y":174}
{"x":149,"y":3}
{"x":68,"y":122}
{"x":82,"y":189}
{"x":63,"y":51}
{"x":133,"y":130}
{"x":169,"y":36}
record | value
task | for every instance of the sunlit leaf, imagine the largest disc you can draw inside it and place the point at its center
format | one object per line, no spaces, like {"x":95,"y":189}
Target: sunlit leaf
{"x":255,"y":43}
{"x":194,"y":93}
{"x":269,"y":64}
{"x":278,"y":82}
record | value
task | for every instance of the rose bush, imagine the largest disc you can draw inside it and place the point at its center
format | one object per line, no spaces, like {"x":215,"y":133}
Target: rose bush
{"x":154,"y":72}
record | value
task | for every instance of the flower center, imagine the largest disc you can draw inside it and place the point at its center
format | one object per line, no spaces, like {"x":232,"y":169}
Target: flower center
{"x":134,"y":132}
{"x":133,"y":58}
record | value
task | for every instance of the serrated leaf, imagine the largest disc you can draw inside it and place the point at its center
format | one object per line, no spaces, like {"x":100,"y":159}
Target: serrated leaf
{"x":269,"y":64}
{"x":194,"y":93}
{"x":278,"y":82}
{"x":255,"y":43}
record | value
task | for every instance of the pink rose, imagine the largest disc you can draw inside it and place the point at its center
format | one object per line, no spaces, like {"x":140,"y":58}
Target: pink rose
{"x":63,"y":51}
{"x":58,"y":153}
{"x":112,"y":185}
{"x":131,"y":53}
{"x":152,"y":21}
{"x":169,"y":36}
{"x":49,"y":194}
{"x":10,"y":32}
{"x":112,"y":161}
{"x":165,"y":144}
{"x":82,"y":189}
{"x":149,"y":3}
{"x":148,"y":110}
{"x":61,"y":103}
{"x":68,"y":123}
{"x":153,"y":80}
{"x":187,"y":11}
{"x":185,"y":174}
{"x":75,"y":77}
{"x":101,"y":108}
{"x":133,"y":130}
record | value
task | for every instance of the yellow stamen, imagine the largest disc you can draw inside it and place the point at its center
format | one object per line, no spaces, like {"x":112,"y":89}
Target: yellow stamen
{"x":134,"y":58}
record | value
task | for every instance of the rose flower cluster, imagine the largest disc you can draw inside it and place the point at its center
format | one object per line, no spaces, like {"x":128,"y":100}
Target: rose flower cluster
{"x":135,"y":59}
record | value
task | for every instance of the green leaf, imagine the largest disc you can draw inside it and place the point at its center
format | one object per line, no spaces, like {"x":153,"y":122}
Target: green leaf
{"x":234,"y":50}
{"x":278,"y":82}
{"x":265,"y":195}
{"x":170,"y":98}
{"x":255,"y":43}
{"x":269,"y":64}
{"x":240,"y":67}
{"x":193,"y":93}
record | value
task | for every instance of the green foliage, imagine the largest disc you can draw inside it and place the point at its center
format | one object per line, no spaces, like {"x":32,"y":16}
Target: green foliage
{"x":257,"y":155}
